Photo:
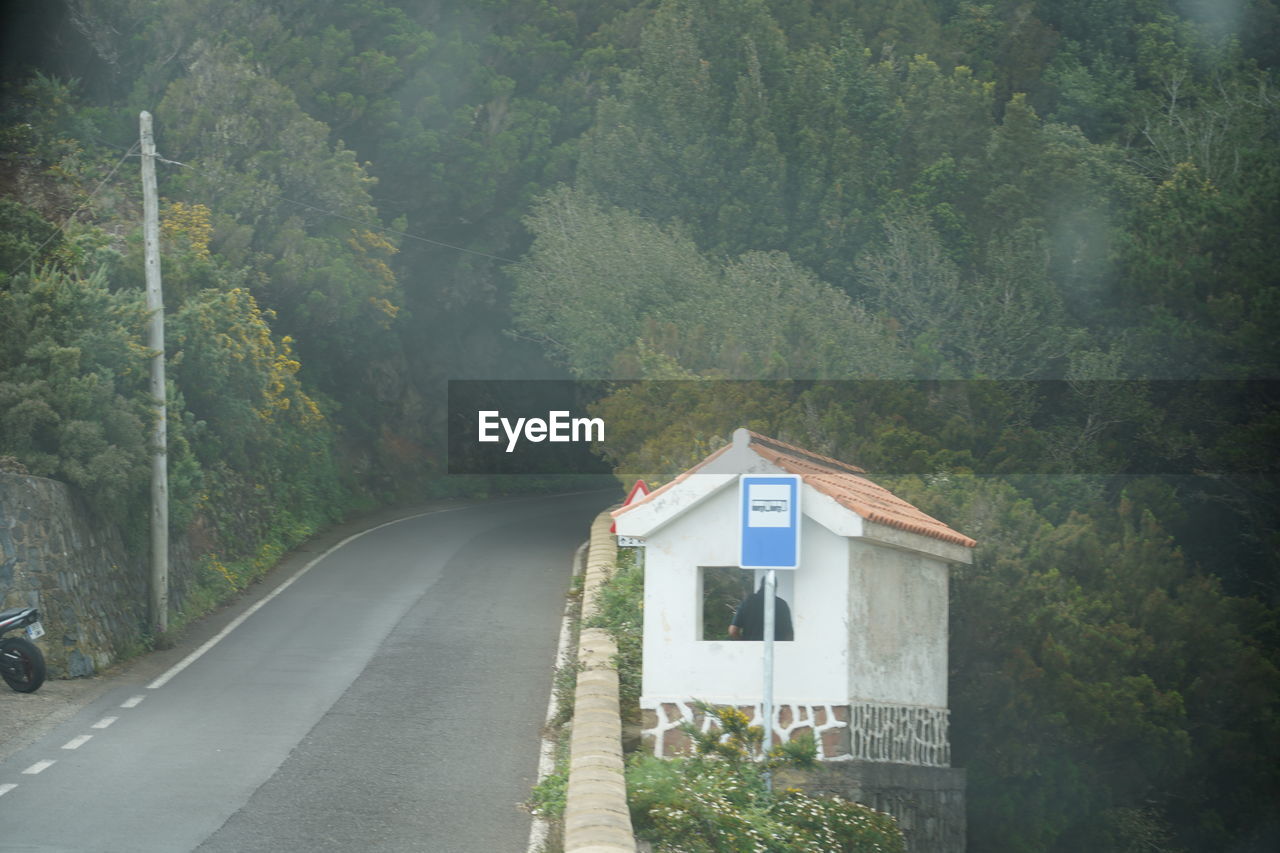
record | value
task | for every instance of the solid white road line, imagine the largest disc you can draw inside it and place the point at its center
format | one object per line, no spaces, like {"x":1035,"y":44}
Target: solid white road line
{"x":540,"y":828}
{"x":104,"y":722}
{"x":77,"y":742}
{"x":239,"y":620}
{"x":38,"y":767}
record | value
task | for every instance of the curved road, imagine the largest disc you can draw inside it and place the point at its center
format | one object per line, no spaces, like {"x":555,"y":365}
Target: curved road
{"x":388,"y":699}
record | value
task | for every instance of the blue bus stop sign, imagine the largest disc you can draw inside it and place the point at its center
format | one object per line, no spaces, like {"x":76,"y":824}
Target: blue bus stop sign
{"x":770,"y":521}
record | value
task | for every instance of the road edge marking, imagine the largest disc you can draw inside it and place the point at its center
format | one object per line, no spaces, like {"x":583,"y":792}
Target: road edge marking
{"x":178,"y":667}
{"x":540,"y":828}
{"x":164,"y":679}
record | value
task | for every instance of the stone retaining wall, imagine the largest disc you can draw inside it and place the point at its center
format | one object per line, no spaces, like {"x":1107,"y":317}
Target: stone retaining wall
{"x":864,"y":731}
{"x":91,"y":595}
{"x":928,"y":802}
{"x":596,"y":816}
{"x":92,"y":601}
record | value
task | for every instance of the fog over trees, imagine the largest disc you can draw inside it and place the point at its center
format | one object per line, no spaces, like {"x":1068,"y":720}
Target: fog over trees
{"x":1016,"y":259}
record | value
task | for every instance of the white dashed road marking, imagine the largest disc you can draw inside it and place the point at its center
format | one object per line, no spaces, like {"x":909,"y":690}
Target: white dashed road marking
{"x":4,"y":789}
{"x":77,"y":742}
{"x":38,"y":767}
{"x":132,"y":703}
{"x":104,"y":722}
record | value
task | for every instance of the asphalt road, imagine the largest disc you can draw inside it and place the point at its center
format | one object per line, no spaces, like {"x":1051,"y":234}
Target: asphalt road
{"x":388,"y":699}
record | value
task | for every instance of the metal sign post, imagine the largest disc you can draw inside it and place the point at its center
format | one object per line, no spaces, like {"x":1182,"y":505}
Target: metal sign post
{"x":639,"y":490}
{"x":636,"y":542}
{"x":770,"y":539}
{"x":770,"y":618}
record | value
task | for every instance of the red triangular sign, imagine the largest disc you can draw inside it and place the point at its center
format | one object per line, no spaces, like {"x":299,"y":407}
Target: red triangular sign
{"x":638,"y":490}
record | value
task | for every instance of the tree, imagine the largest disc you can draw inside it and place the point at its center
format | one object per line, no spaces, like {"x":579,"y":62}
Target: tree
{"x":1002,"y":323}
{"x":288,"y":205}
{"x":610,"y":290}
{"x":73,"y":400}
{"x":775,"y":320}
{"x":840,"y":160}
{"x":1080,"y":719}
{"x":594,"y":273}
{"x":652,"y":148}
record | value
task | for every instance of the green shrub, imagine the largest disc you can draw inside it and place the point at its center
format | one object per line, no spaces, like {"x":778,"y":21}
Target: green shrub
{"x":548,"y":797}
{"x":73,"y":397}
{"x":718,"y":801}
{"x":620,"y":611}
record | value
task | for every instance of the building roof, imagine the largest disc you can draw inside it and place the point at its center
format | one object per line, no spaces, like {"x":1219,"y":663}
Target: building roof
{"x":844,"y":483}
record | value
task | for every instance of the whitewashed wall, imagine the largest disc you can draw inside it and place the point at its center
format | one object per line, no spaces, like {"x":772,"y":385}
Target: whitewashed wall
{"x":897,"y":601}
{"x":811,"y":670}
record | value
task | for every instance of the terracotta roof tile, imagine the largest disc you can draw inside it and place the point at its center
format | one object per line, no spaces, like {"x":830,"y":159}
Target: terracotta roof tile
{"x":840,"y":481}
{"x":764,"y":441}
{"x":854,"y":492}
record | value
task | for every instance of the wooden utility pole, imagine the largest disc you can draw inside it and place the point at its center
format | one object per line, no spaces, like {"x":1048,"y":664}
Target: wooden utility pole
{"x":155,"y":340}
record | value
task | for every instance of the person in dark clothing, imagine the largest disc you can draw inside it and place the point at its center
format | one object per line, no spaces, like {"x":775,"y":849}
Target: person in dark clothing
{"x":748,"y":620}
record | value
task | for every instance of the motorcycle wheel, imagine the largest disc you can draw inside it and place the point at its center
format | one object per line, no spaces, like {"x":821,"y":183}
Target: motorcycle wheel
{"x":21,"y":665}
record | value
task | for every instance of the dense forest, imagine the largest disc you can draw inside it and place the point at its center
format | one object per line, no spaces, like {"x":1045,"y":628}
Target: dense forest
{"x":1015,"y":258}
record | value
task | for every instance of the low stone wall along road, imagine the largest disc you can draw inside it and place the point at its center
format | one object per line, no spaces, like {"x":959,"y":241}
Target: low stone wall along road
{"x":389,"y":698}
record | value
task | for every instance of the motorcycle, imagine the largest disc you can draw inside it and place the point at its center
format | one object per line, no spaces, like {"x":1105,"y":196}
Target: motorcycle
{"x":21,"y":662}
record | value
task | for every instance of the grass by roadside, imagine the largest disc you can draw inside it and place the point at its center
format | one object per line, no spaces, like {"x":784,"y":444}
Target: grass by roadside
{"x":620,"y":611}
{"x":547,"y":799}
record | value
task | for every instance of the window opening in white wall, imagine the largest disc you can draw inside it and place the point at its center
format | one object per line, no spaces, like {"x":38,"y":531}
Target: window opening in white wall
{"x":721,"y":590}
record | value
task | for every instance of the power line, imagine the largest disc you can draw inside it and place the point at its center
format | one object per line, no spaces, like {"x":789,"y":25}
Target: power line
{"x":73,"y":213}
{"x":373,"y":226}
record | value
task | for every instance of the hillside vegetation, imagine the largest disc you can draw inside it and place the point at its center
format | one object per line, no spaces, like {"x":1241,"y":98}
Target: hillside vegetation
{"x":1016,"y":258}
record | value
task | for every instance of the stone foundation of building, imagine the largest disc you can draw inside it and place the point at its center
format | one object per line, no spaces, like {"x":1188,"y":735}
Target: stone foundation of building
{"x":863,"y":731}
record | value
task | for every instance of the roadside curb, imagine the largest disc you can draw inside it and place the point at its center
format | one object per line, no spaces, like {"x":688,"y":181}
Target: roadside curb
{"x":596,"y":816}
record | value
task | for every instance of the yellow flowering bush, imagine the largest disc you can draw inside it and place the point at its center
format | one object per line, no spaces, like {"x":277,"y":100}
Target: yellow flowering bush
{"x":190,"y":222}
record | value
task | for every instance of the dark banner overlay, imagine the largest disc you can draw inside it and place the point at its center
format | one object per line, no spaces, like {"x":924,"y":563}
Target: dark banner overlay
{"x":1173,"y":427}
{"x":534,"y":426}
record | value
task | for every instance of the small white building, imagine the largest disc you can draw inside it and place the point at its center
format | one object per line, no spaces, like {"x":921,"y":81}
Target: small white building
{"x":867,"y":669}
